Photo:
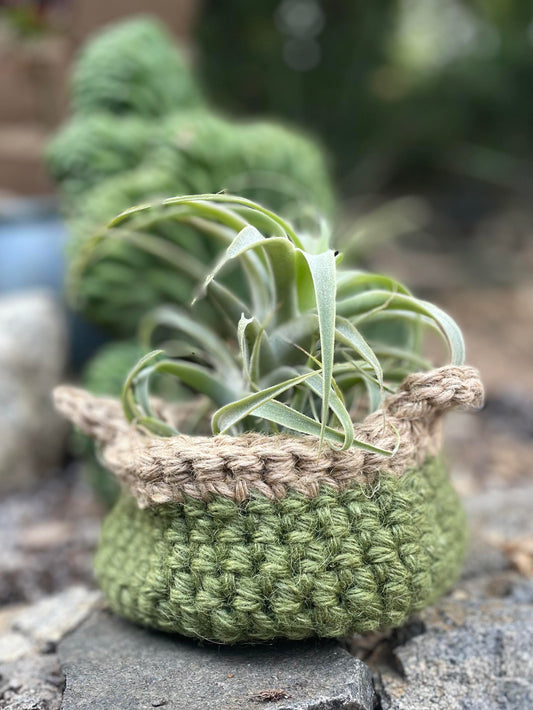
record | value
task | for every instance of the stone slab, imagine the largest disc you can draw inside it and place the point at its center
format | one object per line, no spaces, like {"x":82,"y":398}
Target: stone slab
{"x":474,"y":653}
{"x":110,"y":664}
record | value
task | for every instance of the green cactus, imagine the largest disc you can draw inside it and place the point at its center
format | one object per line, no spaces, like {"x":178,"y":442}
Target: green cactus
{"x":92,"y":148}
{"x":139,"y":133}
{"x":133,"y":67}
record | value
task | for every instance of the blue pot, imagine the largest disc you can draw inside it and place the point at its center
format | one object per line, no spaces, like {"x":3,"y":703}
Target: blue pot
{"x":32,"y":244}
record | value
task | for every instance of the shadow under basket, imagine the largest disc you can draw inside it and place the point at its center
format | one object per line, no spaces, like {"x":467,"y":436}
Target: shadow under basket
{"x":252,"y":538}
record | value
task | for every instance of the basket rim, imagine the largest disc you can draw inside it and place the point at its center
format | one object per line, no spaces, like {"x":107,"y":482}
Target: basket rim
{"x":159,"y":470}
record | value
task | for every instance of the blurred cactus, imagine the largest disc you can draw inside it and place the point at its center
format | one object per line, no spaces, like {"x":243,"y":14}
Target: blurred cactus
{"x":133,"y":139}
{"x":134,"y":68}
{"x":91,"y":148}
{"x":106,"y":372}
{"x":117,"y":281}
{"x":198,"y":151}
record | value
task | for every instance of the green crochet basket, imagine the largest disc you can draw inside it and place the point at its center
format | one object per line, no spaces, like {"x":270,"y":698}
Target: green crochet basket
{"x":252,"y":538}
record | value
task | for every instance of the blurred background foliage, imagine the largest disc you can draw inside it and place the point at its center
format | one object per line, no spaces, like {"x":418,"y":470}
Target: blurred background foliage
{"x":398,"y":90}
{"x":424,"y":109}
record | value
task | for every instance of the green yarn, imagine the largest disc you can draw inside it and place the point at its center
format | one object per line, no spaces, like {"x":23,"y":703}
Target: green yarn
{"x":133,"y":67}
{"x":354,"y":561}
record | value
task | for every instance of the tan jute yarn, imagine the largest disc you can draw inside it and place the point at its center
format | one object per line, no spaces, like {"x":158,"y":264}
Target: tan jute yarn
{"x":161,"y":470}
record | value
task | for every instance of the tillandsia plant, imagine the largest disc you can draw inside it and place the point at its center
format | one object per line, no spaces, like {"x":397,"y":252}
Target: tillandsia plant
{"x":296,"y":346}
{"x":292,"y":518}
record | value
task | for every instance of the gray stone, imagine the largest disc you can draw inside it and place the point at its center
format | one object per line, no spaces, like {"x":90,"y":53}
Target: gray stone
{"x":522,"y":591}
{"x":30,"y":676}
{"x":14,"y":646}
{"x":46,"y":622}
{"x":48,"y":537}
{"x":495,"y":518}
{"x":33,"y":353}
{"x":34,"y":682}
{"x":111,"y":664}
{"x":501,"y":513}
{"x":473,"y":655}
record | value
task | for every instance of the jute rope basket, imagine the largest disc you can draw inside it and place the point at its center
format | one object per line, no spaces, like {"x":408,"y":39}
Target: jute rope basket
{"x":255,"y":537}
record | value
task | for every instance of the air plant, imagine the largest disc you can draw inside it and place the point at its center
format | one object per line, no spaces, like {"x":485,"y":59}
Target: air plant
{"x":104,"y":375}
{"x":290,"y":350}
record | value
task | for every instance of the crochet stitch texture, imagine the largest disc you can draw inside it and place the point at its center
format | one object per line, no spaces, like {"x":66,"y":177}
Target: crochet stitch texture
{"x":343,"y":561}
{"x":214,"y":537}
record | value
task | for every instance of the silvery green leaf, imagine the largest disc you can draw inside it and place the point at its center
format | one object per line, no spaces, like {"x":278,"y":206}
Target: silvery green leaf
{"x":129,"y":404}
{"x":183,"y":323}
{"x":291,"y":419}
{"x":322,"y":268}
{"x":201,"y":380}
{"x":363,"y":303}
{"x":337,"y":407}
{"x":243,"y":345}
{"x":348,"y":334}
{"x":228,"y":415}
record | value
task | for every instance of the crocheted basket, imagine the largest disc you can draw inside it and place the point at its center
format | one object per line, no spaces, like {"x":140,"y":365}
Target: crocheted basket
{"x":255,"y":537}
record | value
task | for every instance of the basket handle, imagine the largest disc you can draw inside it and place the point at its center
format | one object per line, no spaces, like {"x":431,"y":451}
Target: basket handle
{"x":428,"y":394}
{"x":101,"y":418}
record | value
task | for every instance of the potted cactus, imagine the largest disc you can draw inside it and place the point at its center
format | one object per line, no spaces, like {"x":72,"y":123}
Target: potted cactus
{"x":319,"y":503}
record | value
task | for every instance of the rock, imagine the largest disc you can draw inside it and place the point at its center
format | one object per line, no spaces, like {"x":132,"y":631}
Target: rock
{"x":33,"y":350}
{"x":30,"y":676}
{"x":48,"y":538}
{"x":505,"y":514}
{"x":110,"y":663}
{"x":47,"y":621}
{"x":14,"y":646}
{"x":40,"y":626}
{"x":497,"y":519}
{"x":522,"y":591}
{"x":473,"y":654}
{"x":33,"y":683}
